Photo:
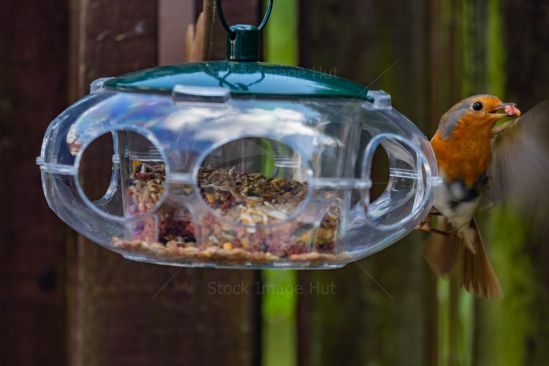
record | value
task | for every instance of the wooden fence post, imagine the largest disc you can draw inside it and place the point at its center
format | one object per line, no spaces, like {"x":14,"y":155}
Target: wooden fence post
{"x":379,"y":312}
{"x":117,"y":316}
{"x":515,"y":330}
{"x":33,"y":49}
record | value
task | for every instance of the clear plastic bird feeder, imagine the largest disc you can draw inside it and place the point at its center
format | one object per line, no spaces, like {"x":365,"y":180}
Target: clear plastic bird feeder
{"x":239,"y":164}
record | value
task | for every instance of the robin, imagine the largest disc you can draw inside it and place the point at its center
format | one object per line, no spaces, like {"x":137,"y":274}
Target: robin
{"x":482,"y":155}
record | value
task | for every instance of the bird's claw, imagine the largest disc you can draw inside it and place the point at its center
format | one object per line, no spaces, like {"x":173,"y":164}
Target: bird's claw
{"x":426,"y":225}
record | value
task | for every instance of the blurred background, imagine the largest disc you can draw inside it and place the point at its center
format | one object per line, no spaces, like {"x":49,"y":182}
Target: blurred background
{"x":65,"y":301}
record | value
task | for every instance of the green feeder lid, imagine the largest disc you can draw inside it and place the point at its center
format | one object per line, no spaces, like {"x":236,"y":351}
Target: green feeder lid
{"x":242,"y":73}
{"x":241,"y":78}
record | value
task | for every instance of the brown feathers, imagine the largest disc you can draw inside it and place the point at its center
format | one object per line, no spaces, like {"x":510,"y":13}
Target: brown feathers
{"x":442,"y":251}
{"x":447,"y":254}
{"x":478,"y":276}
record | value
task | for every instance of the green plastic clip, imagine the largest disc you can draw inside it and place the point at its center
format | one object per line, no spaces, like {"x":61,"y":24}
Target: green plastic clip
{"x":243,"y":39}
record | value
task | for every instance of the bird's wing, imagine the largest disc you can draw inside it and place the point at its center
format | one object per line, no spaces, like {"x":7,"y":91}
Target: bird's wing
{"x":519,"y":170}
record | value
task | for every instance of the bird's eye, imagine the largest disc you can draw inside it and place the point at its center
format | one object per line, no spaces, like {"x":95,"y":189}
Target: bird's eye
{"x":477,"y":106}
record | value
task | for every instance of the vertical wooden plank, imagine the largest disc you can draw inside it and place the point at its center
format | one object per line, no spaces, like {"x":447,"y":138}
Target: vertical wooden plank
{"x":437,"y":92}
{"x":124,"y":312}
{"x":458,"y":69}
{"x":524,"y":49}
{"x":174,"y":17}
{"x":378,"y":312}
{"x":448,"y":55}
{"x":33,"y":48}
{"x":514,"y":330}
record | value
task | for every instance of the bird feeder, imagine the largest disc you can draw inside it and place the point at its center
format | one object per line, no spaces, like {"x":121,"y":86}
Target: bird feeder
{"x":239,"y":164}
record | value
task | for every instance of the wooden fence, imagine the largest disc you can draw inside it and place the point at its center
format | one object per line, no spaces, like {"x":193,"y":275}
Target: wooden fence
{"x":66,"y":301}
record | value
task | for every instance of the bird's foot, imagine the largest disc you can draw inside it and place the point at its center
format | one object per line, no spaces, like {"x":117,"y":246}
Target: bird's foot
{"x":426,"y":226}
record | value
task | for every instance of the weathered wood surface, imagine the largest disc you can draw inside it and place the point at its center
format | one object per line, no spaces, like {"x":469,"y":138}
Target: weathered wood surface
{"x":450,"y":75}
{"x":173,"y":16}
{"x":33,"y":49}
{"x":515,"y":330}
{"x":364,"y":323}
{"x":117,"y":314}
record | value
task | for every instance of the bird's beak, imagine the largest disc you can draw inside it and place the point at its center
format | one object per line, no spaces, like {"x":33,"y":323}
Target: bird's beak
{"x":507,"y":109}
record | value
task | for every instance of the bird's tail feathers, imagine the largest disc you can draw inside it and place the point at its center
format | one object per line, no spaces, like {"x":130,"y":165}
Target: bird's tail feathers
{"x":464,"y":251}
{"x":469,"y":235}
{"x":478,"y":276}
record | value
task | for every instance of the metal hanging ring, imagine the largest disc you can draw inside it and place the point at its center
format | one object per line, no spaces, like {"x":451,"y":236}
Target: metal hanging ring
{"x":228,"y":28}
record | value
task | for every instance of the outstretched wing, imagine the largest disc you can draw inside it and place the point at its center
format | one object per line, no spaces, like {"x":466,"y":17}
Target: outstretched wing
{"x":519,"y":170}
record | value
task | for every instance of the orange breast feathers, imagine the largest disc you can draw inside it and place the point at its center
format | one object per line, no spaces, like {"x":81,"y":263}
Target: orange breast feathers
{"x":465,"y":154}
